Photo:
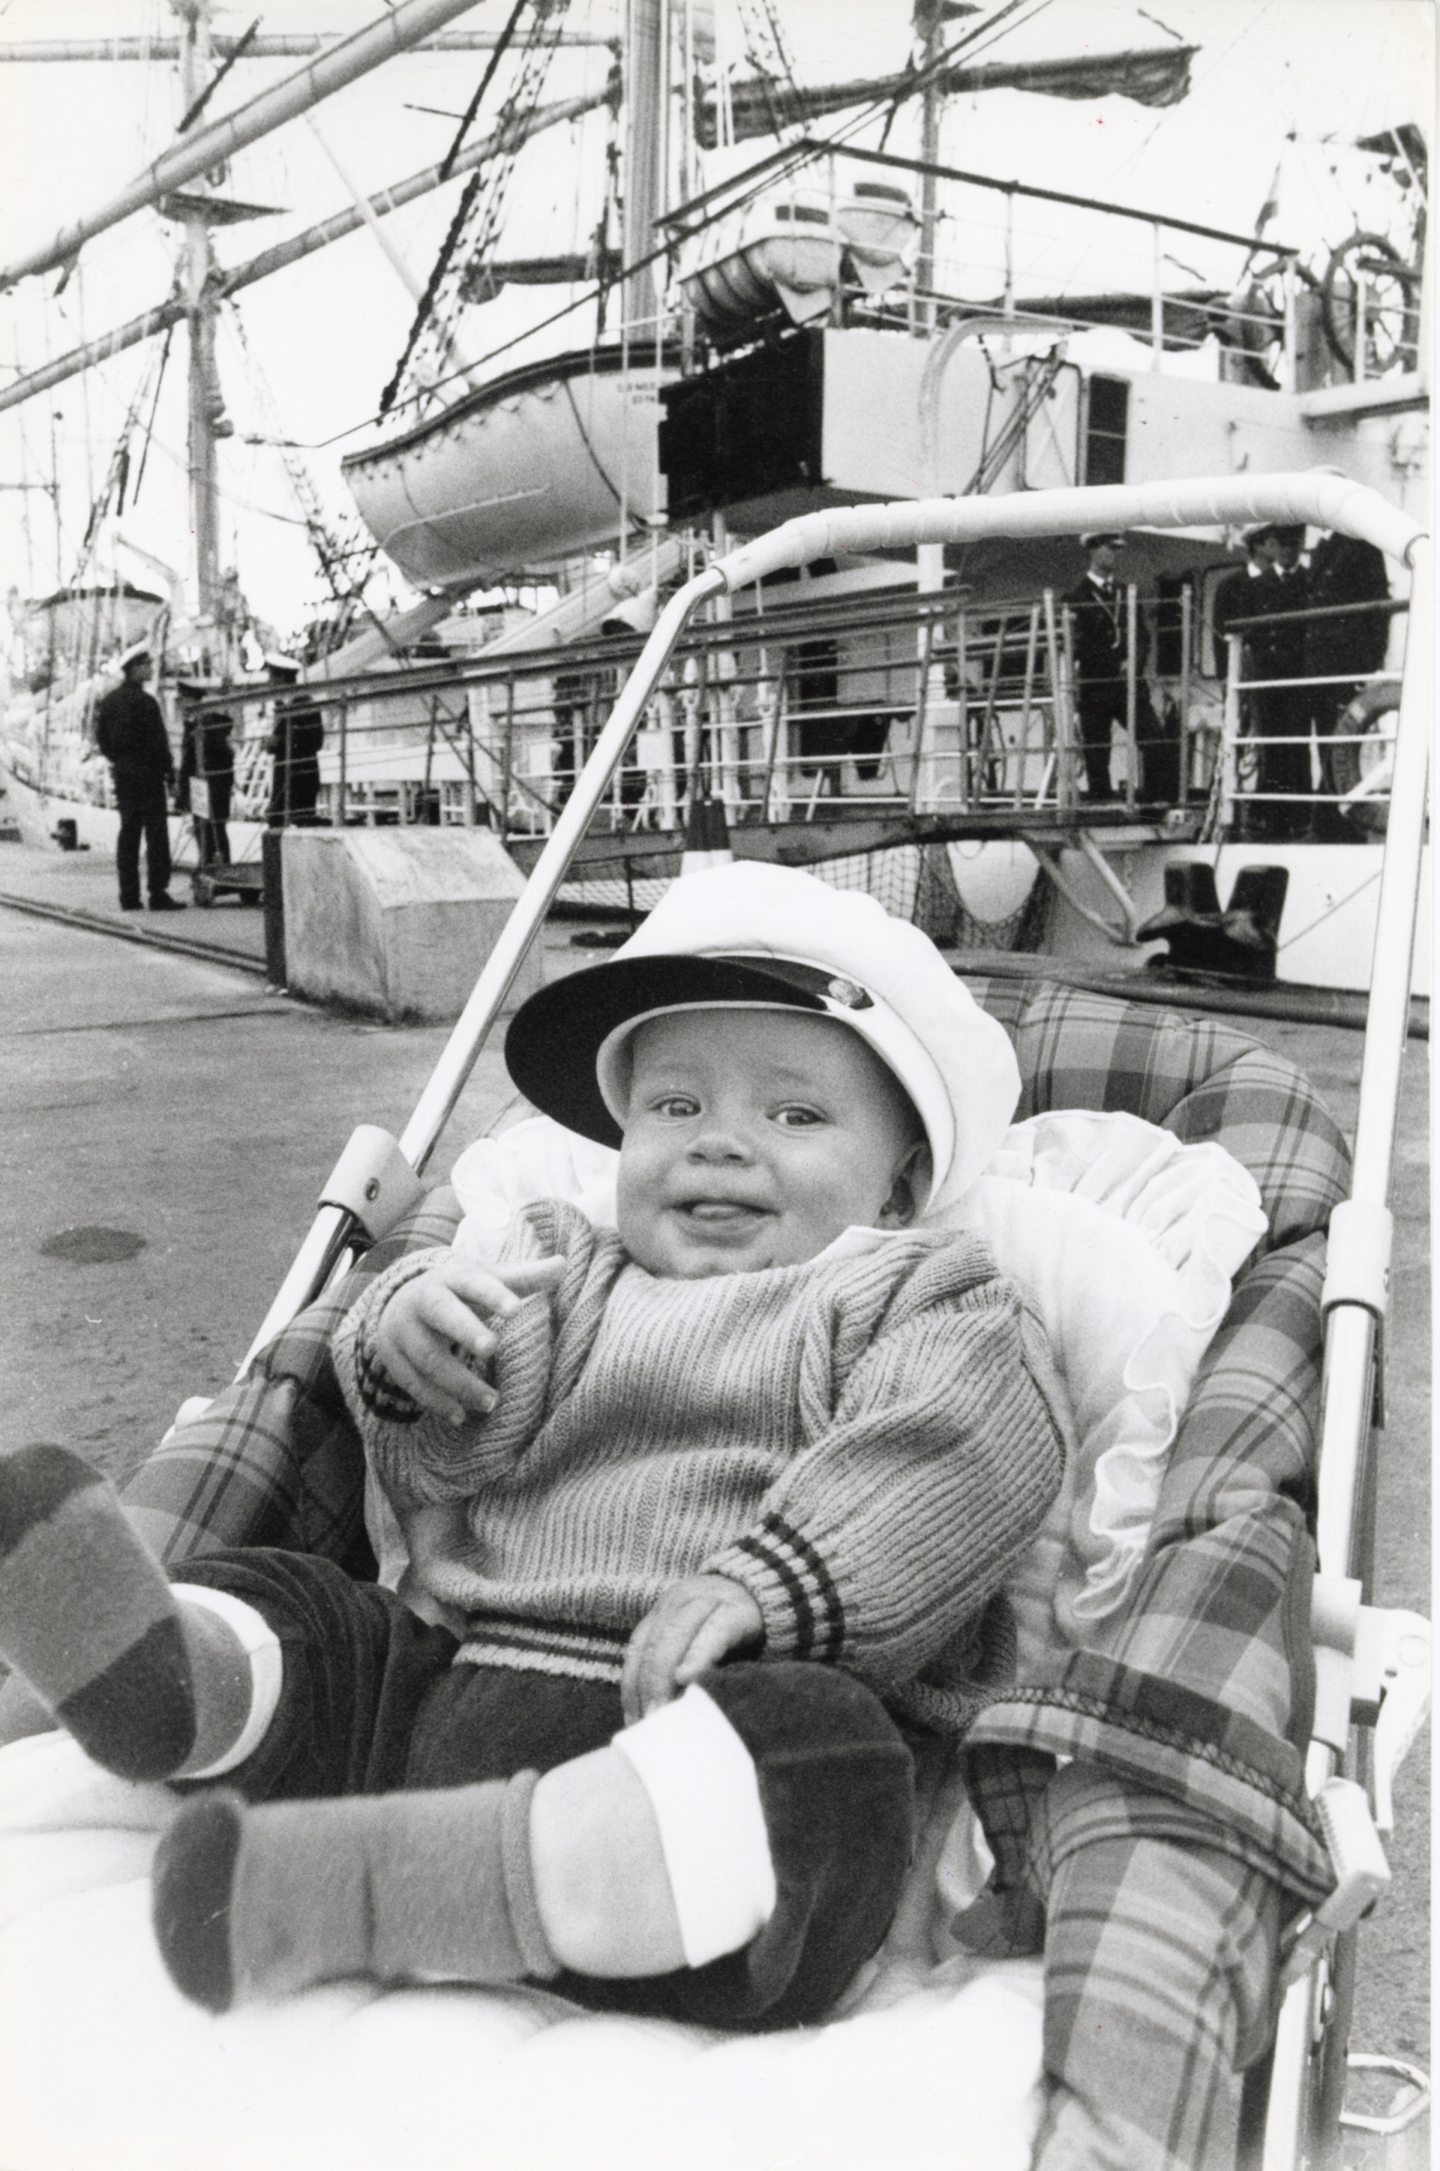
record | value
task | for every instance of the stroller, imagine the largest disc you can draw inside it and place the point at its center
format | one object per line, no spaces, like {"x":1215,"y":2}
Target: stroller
{"x":1239,"y":1540}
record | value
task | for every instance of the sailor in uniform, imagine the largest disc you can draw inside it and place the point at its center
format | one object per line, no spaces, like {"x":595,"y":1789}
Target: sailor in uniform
{"x":1101,"y":650}
{"x":1280,"y":710}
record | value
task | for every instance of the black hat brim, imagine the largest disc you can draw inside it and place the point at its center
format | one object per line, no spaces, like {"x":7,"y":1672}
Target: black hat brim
{"x":554,"y":1039}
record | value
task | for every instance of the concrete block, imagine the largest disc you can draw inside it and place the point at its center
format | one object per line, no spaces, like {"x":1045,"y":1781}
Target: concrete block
{"x":397,"y":922}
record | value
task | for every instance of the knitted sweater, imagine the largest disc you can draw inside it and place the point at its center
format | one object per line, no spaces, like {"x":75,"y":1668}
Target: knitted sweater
{"x":865,"y":1441}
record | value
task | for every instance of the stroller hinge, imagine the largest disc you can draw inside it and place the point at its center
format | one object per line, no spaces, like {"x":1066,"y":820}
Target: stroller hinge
{"x":1357,"y":1257}
{"x":1400,"y":1668}
{"x":1335,"y":1612}
{"x":372,"y":1180}
{"x":1361,"y":1872}
{"x":1372,"y":1668}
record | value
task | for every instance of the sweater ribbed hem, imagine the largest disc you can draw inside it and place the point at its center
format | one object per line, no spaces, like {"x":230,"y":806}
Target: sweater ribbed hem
{"x":581,"y":1654}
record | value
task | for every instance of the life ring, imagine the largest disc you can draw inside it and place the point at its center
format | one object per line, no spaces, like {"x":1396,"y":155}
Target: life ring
{"x":1358,"y":754}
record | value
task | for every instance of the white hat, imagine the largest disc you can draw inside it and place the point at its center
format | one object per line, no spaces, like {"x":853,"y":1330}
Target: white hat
{"x":766,"y":937}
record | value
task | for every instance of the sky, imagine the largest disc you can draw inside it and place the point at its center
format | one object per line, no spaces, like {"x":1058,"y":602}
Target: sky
{"x":1276,"y":83}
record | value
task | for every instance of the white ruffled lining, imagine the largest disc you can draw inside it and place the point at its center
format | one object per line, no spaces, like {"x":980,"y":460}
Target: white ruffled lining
{"x":1131,"y":1241}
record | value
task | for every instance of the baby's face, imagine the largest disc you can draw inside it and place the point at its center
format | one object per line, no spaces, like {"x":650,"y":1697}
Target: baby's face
{"x":753,"y":1138}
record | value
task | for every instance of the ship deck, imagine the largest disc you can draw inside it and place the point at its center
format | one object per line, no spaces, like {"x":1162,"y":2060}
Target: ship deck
{"x":170,"y":1120}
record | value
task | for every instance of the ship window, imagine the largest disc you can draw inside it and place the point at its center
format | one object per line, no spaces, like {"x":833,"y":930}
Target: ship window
{"x":1105,"y":429}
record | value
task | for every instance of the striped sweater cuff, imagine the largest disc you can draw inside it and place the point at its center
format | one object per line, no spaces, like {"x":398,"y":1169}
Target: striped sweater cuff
{"x":792,"y":1584}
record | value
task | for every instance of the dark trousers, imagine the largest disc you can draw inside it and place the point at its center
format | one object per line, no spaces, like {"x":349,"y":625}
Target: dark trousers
{"x":143,"y":813}
{"x":1282,"y":714}
{"x":211,"y":834}
{"x":294,"y":794}
{"x":1161,"y":783}
{"x":371,"y":1701}
{"x":1097,"y":707}
{"x":1101,"y":707}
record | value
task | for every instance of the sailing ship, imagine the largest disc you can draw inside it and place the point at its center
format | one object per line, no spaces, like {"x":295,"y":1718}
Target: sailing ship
{"x":802,"y":332}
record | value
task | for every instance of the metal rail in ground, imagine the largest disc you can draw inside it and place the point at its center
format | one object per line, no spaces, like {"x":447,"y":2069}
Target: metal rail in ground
{"x":99,"y":923}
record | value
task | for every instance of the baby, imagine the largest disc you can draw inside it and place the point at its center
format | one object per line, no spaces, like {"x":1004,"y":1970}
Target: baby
{"x":719,"y":1505}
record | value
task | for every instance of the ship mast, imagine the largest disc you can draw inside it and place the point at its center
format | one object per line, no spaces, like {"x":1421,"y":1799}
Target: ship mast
{"x":646,"y":112}
{"x":928,"y":19}
{"x":200,"y":314}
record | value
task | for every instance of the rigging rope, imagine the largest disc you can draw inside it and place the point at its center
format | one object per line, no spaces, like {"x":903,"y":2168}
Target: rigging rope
{"x":768,"y":55}
{"x":335,"y":551}
{"x":115,"y":472}
{"x":772,"y":178}
{"x":187,"y":120}
{"x":521,"y":100}
{"x":154,"y":412}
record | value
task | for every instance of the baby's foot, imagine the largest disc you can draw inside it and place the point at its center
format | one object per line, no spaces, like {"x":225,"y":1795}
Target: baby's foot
{"x":192,"y":1889}
{"x":253,"y":1902}
{"x":86,"y":1615}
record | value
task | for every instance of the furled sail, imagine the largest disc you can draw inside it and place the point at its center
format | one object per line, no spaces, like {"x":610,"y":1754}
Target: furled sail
{"x":1150,"y":76}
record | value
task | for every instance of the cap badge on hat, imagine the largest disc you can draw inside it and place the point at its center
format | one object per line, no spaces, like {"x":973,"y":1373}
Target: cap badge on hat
{"x":849,"y":994}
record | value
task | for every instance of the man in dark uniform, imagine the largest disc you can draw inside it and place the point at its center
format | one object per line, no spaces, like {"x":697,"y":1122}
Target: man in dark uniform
{"x":295,"y":743}
{"x":1238,"y":596}
{"x":130,"y":733}
{"x":1346,"y":647}
{"x":1280,"y":713}
{"x":1101,"y":649}
{"x":1351,"y":644}
{"x":208,"y":757}
{"x":1235,"y":597}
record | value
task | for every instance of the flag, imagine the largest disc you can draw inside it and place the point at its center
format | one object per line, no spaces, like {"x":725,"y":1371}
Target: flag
{"x":1270,"y":206}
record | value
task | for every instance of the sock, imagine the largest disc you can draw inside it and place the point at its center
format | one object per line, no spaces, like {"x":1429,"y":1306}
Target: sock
{"x":21,"y":1711}
{"x":253,"y":1902}
{"x":236,"y":1662}
{"x":705,"y":1794}
{"x":87,"y":1617}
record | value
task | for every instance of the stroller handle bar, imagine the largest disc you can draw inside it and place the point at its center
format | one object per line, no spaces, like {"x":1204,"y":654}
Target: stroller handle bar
{"x":1317,"y":497}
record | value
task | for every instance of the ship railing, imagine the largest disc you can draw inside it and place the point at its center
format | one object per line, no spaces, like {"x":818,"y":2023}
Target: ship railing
{"x":1166,"y":758}
{"x":905,"y":702}
{"x":910,"y":702}
{"x":1011,"y":247}
{"x":1170,"y":321}
{"x":1326,"y":772}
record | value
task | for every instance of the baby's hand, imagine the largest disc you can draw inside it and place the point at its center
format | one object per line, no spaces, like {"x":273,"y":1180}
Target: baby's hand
{"x":691,"y":1626}
{"x":433,"y":1333}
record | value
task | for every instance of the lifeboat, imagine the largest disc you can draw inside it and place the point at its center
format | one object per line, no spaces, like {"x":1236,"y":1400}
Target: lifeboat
{"x":781,"y":250}
{"x":881,"y":233}
{"x":522,"y":473}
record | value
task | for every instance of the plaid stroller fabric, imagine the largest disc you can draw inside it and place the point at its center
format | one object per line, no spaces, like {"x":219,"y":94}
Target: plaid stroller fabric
{"x":1146,"y":1809}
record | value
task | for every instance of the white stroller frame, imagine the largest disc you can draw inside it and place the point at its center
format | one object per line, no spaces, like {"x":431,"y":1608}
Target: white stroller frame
{"x":1370,"y":1665}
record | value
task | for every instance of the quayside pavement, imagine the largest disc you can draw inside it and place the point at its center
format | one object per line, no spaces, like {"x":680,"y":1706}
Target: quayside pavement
{"x":166,"y":1123}
{"x":79,"y":887}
